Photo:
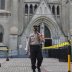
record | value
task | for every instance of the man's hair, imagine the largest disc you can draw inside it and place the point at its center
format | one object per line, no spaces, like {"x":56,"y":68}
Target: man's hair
{"x":35,"y":27}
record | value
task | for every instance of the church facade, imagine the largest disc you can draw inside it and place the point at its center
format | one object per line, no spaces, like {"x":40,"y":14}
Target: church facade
{"x":17,"y":18}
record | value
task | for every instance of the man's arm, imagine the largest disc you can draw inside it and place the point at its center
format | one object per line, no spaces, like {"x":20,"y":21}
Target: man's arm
{"x":41,"y":37}
{"x":27,"y":46}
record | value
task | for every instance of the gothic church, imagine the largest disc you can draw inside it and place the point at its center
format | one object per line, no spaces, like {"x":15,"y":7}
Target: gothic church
{"x":18,"y":16}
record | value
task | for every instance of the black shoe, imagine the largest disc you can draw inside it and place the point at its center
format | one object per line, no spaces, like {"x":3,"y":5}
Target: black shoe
{"x":39,"y":70}
{"x":34,"y":70}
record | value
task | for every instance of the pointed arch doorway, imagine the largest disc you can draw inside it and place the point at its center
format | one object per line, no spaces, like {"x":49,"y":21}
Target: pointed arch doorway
{"x":47,"y":35}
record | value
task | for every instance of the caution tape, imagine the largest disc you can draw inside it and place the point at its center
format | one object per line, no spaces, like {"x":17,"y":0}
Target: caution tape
{"x":49,"y":47}
{"x":57,"y":46}
{"x":3,"y":48}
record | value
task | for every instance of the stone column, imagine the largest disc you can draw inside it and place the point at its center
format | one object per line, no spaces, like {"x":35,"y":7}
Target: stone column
{"x":28,"y":12}
{"x":21,"y":16}
{"x":70,"y":15}
{"x":42,"y":30}
{"x":0,"y":3}
{"x":63,"y":17}
{"x":51,"y":8}
{"x":6,"y":4}
{"x":56,"y":11}
{"x":15,"y":13}
{"x":60,"y":15}
{"x":71,"y":44}
{"x":13,"y":41}
{"x":33,"y":8}
{"x":13,"y":37}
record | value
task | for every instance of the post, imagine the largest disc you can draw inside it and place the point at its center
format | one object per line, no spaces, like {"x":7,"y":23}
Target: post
{"x":0,"y":64}
{"x":69,"y":57}
{"x":7,"y":59}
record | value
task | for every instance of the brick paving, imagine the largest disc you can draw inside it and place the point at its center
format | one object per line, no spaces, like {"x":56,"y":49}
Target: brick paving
{"x":24,"y":65}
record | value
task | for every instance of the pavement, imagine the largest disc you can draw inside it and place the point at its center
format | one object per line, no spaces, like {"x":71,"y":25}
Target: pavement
{"x":24,"y":65}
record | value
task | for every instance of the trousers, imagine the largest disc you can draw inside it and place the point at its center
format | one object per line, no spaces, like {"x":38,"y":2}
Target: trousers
{"x":36,"y":54}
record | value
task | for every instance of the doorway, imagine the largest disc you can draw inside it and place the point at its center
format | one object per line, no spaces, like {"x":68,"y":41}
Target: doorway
{"x":48,"y":40}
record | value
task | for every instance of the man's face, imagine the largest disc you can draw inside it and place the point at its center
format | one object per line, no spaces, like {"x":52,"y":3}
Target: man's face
{"x":35,"y":29}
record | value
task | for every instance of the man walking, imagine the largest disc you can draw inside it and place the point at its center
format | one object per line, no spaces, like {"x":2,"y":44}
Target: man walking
{"x":35,"y":44}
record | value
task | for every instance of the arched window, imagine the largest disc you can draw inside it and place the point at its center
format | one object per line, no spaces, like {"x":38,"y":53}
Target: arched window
{"x":31,"y":9}
{"x":2,"y":4}
{"x":26,"y":9}
{"x":53,"y":10}
{"x":58,"y":10}
{"x":1,"y":33}
{"x":35,"y":7}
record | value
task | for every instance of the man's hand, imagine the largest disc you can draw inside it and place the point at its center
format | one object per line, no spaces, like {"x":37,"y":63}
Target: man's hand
{"x":41,"y":37}
{"x":27,"y":52}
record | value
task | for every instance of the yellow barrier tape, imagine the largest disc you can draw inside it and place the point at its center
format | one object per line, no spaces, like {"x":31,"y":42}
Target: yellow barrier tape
{"x":57,"y":46}
{"x":49,"y":47}
{"x":3,"y":49}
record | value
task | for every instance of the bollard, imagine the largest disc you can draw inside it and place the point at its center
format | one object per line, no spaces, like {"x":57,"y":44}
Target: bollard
{"x":7,"y":59}
{"x":69,"y":59}
{"x":69,"y":63}
{"x":0,"y":64}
